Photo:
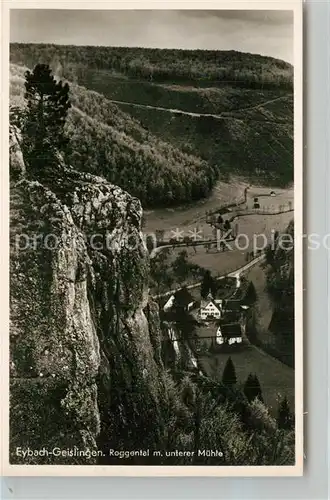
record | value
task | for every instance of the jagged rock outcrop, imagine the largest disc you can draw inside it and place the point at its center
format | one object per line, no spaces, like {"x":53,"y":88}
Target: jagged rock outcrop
{"x":85,"y":369}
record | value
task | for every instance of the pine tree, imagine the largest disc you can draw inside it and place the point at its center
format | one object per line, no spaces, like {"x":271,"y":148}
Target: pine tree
{"x":181,"y":265}
{"x":208,"y":285}
{"x":284,"y":416}
{"x":252,"y":388}
{"x":214,"y":287}
{"x":229,"y":373}
{"x":43,"y":135}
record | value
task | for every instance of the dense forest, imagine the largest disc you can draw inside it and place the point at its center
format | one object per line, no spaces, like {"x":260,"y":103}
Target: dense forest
{"x":160,"y":64}
{"x":202,"y":414}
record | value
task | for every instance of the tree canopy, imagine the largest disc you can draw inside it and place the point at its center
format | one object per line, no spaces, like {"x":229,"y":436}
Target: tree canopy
{"x":252,"y":388}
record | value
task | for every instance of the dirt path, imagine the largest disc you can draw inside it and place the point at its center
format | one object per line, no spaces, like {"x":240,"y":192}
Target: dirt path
{"x":199,"y":115}
{"x":249,"y":108}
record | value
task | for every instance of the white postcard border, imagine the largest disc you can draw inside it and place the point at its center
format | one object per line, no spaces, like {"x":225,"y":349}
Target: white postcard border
{"x":86,"y":470}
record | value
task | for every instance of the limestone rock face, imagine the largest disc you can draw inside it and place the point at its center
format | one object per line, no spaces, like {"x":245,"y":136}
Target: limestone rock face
{"x":85,"y":365}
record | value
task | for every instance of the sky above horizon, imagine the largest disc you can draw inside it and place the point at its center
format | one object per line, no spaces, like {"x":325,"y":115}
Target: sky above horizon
{"x":268,"y":33}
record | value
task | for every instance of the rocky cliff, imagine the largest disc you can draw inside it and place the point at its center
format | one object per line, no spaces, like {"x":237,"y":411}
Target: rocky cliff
{"x":85,"y":367}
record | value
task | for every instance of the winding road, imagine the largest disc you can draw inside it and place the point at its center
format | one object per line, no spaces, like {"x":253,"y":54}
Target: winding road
{"x":233,"y":274}
{"x":206,"y":115}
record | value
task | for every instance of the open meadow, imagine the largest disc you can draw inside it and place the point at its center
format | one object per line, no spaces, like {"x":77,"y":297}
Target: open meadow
{"x":187,"y":216}
{"x":193,"y":217}
{"x":223,"y":262}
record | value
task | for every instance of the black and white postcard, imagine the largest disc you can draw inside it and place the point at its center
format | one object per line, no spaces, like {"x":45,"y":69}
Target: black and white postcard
{"x":152,"y":163}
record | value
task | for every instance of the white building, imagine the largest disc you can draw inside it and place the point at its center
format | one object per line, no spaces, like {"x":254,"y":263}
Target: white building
{"x":211,"y":309}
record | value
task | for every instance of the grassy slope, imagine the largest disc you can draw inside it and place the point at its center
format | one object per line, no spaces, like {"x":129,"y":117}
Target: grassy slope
{"x":262,"y":151}
{"x":255,"y":139}
{"x":275,"y":377}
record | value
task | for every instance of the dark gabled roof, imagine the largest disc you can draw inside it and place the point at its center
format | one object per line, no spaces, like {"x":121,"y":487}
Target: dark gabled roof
{"x":230,"y":330}
{"x":232,"y":305}
{"x":230,"y":316}
{"x":183,"y":297}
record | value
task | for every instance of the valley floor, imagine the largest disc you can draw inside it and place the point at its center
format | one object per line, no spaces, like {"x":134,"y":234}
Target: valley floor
{"x":276,"y":378}
{"x":223,"y":193}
